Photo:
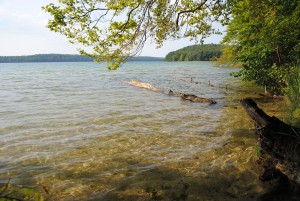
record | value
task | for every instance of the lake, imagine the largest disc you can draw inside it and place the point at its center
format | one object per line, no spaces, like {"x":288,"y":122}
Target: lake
{"x":84,"y":133}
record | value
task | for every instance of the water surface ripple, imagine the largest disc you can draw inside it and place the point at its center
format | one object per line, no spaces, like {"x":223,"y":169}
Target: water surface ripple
{"x":86,"y":134}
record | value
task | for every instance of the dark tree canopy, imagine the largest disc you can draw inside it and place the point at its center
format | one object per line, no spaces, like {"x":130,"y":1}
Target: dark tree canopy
{"x":206,"y":52}
{"x":118,"y":29}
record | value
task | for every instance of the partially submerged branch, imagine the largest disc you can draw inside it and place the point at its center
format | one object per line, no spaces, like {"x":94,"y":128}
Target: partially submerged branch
{"x":190,"y":97}
{"x":144,"y":85}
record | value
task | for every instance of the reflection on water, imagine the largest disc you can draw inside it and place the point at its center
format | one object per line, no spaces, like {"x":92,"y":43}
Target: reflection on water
{"x":85,"y":134}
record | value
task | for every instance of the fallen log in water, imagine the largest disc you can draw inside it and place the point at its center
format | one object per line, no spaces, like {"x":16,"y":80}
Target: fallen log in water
{"x":183,"y":96}
{"x":280,"y":141}
{"x":194,"y":98}
{"x":144,"y":85}
{"x":186,"y":79}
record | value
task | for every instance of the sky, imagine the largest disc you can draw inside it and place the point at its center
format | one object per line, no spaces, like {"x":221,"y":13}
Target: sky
{"x":23,"y":32}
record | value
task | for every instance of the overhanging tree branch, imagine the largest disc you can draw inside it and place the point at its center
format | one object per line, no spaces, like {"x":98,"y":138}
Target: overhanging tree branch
{"x":120,"y":28}
{"x":189,"y":11}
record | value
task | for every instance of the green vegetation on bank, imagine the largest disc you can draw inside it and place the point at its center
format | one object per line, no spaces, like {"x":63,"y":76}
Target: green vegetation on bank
{"x":206,"y":52}
{"x":293,"y":95}
{"x":62,"y":58}
{"x":263,"y":36}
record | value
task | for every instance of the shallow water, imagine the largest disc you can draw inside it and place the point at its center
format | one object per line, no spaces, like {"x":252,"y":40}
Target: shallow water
{"x":85,"y":134}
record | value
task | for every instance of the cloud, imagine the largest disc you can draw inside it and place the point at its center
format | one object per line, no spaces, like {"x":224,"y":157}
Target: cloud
{"x":23,"y":30}
{"x":22,"y":16}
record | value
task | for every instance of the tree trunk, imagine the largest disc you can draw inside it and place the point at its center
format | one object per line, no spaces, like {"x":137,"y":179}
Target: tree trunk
{"x":280,"y":141}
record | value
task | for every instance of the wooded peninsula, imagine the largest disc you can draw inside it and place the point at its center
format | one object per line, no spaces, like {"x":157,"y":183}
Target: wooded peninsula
{"x":205,"y":52}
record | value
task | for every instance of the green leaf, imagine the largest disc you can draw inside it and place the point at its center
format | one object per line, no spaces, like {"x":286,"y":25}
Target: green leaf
{"x":117,"y":30}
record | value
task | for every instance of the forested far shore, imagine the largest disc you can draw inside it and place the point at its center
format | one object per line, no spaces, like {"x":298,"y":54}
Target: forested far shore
{"x":205,"y":52}
{"x":63,"y":58}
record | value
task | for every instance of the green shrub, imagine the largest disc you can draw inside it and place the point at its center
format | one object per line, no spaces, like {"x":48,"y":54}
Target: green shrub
{"x":293,"y":95}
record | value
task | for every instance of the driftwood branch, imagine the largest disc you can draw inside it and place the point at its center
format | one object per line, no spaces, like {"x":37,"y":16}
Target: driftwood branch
{"x":190,"y":97}
{"x":280,"y":141}
{"x":144,"y":85}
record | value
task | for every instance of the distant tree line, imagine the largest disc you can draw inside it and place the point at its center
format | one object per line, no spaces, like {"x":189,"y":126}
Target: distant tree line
{"x":45,"y":58}
{"x":206,"y":52}
{"x":62,"y":58}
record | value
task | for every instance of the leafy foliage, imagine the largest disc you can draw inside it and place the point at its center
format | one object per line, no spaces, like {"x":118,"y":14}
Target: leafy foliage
{"x":117,"y":30}
{"x":227,"y":58}
{"x":264,"y":37}
{"x":293,"y":95}
{"x":196,"y":53}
